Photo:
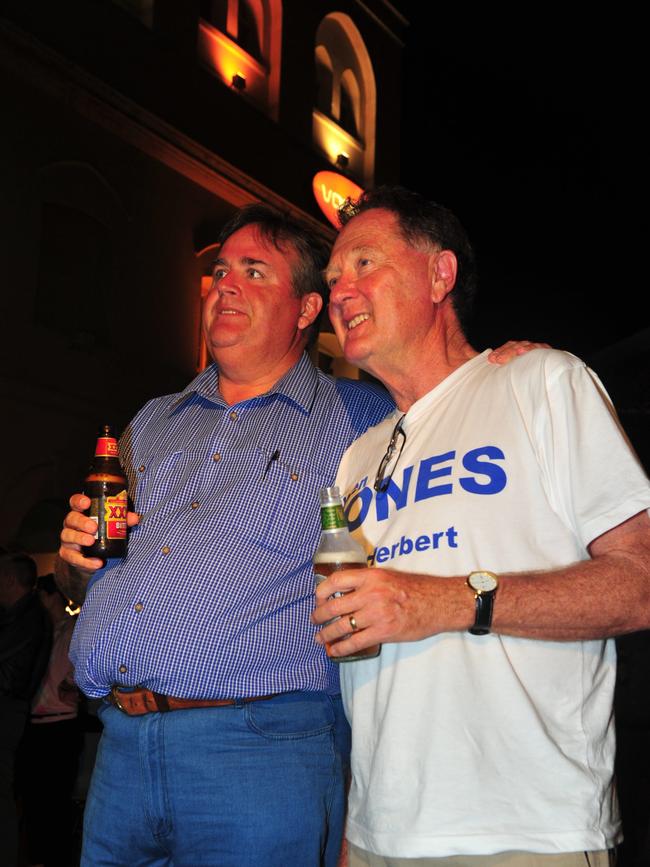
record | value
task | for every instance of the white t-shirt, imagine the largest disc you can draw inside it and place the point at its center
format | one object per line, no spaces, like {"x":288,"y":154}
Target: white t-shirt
{"x":469,"y":744}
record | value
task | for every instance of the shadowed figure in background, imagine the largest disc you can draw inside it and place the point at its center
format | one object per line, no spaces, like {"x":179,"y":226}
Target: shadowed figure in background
{"x":25,"y":639}
{"x":48,"y":756}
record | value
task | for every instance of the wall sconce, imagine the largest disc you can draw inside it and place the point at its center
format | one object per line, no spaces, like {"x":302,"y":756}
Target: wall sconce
{"x":238,"y":81}
{"x":342,"y":161}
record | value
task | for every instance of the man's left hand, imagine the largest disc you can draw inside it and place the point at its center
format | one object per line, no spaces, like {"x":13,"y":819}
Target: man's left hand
{"x":386,"y":606}
{"x":512,"y":349}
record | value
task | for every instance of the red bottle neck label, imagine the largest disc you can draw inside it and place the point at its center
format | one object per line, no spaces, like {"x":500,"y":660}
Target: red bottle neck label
{"x":106,"y":448}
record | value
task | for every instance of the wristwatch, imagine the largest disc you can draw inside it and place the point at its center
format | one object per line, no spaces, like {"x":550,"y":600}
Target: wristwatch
{"x":484,"y":585}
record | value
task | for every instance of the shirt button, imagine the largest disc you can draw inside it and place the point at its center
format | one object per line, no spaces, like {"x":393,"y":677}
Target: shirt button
{"x":216,"y":457}
{"x":232,"y":415}
{"x":294,"y":477}
{"x":141,"y":468}
{"x":138,"y":606}
{"x":194,"y":505}
{"x":165,"y":549}
{"x":122,"y":669}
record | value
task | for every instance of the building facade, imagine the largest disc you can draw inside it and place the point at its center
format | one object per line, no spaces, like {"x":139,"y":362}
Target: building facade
{"x":133,"y":129}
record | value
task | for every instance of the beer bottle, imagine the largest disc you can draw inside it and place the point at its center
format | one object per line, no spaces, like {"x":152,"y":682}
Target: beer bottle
{"x":338,"y":549}
{"x":106,"y":486}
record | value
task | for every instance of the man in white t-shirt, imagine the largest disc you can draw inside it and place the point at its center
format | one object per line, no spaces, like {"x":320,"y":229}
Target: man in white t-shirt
{"x":505,"y":520}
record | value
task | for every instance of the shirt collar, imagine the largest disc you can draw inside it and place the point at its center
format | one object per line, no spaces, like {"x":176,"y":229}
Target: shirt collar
{"x":297,"y":385}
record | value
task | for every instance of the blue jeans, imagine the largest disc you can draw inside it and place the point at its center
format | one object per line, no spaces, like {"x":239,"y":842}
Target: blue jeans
{"x":249,"y":785}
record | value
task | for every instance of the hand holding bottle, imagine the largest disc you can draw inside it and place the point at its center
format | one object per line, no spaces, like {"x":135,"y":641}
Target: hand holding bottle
{"x":338,"y":550}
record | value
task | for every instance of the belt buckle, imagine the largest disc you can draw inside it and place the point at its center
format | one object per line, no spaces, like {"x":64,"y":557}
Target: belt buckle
{"x":115,"y":701}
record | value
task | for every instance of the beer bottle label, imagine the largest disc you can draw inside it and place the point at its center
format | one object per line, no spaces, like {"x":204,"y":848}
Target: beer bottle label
{"x":106,"y":447}
{"x":115,"y":515}
{"x":332,"y":517}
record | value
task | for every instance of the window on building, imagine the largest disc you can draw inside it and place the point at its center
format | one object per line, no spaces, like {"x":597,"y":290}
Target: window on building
{"x":240,"y":42}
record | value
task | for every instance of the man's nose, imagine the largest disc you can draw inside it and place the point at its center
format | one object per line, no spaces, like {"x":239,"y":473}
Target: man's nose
{"x":342,"y":290}
{"x":228,"y":284}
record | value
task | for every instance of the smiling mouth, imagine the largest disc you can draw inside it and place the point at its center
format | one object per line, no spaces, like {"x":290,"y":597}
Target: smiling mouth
{"x":357,"y":320}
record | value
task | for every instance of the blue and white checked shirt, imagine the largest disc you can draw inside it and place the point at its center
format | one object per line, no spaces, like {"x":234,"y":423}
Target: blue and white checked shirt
{"x":214,"y":597}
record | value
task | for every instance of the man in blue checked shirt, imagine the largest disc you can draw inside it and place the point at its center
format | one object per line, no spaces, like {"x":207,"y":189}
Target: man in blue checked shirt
{"x":224,"y":740}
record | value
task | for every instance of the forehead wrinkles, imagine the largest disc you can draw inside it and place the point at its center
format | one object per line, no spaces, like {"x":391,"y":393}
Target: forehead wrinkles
{"x":275,"y":242}
{"x":239,"y":260}
{"x":245,"y":250}
{"x":349,"y":244}
{"x":390,"y":226}
{"x":357,"y":250}
{"x":251,"y":245}
{"x":250,"y":241}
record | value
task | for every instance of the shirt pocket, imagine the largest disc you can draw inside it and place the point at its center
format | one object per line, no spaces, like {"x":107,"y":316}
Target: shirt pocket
{"x":285,"y":505}
{"x":164,"y":481}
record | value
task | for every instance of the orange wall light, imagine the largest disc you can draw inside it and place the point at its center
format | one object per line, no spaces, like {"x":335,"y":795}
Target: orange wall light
{"x":231,"y":63}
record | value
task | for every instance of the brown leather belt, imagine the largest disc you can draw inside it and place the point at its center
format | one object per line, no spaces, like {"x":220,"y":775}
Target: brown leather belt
{"x":136,"y":702}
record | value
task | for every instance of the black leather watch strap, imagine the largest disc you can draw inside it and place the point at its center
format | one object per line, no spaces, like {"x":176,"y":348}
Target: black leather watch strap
{"x":483,"y":620}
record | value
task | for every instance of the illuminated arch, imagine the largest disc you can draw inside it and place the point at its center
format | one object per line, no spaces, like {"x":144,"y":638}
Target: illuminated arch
{"x":354,"y":86}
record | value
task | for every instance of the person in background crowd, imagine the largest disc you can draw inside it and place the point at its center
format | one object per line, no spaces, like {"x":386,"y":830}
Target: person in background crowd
{"x":506,"y":519}
{"x":48,"y":757}
{"x":25,"y":638}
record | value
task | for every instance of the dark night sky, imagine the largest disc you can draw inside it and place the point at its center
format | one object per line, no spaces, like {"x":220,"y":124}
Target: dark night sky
{"x":528,"y":134}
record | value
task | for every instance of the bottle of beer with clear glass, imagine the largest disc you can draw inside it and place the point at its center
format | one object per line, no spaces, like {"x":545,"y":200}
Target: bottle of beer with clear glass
{"x":106,"y":485}
{"x":337,"y":550}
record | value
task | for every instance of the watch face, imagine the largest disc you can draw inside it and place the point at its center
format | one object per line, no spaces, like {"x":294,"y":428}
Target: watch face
{"x":482,"y":582}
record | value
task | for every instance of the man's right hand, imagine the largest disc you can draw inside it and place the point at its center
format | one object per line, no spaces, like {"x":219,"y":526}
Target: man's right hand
{"x":79,"y":531}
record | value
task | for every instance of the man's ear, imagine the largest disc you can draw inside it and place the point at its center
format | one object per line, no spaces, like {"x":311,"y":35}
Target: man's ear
{"x":310,"y":306}
{"x":443,"y":268}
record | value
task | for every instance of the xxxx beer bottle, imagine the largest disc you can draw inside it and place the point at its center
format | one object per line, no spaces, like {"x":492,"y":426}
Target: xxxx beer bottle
{"x":338,"y":549}
{"x":106,"y":485}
